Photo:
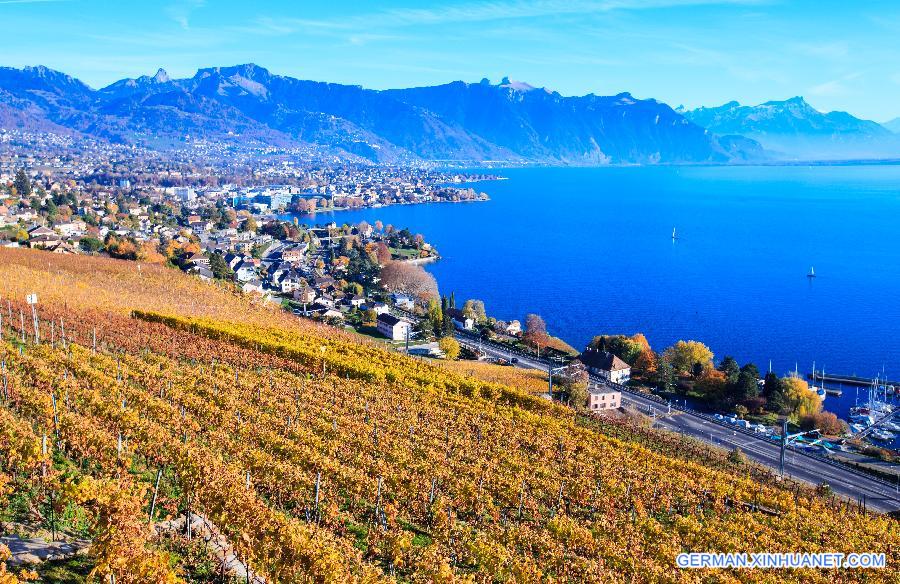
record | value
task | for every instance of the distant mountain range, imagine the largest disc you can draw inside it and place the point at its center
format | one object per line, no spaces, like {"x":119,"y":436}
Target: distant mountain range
{"x":471,"y":122}
{"x":893,"y":125}
{"x":794,"y":129}
{"x":475,"y":122}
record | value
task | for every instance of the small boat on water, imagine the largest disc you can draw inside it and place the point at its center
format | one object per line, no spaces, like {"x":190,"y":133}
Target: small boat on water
{"x":864,"y":419}
{"x":812,"y":273}
{"x":855,"y":428}
{"x":883,"y":435}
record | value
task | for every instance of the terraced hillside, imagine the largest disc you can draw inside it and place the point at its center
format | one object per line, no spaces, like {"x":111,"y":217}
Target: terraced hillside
{"x":325,"y":459}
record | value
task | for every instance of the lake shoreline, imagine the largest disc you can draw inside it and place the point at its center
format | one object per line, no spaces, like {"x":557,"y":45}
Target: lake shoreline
{"x":600,"y":259}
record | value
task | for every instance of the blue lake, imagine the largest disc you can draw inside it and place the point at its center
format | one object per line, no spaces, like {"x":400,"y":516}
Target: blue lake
{"x":590,"y":249}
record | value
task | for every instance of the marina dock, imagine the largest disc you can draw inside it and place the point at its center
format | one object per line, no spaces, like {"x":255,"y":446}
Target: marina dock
{"x":847,"y":380}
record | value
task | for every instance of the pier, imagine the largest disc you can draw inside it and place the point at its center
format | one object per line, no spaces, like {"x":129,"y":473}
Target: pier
{"x":847,"y":380}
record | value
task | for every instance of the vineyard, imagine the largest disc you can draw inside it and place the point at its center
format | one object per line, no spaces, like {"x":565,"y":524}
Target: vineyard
{"x":144,"y":395}
{"x":529,"y":380}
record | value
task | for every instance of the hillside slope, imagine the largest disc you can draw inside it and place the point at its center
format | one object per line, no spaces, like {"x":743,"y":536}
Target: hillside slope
{"x":331,"y":460}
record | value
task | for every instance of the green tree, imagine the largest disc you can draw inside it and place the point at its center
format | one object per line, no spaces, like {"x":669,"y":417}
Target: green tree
{"x":22,"y":184}
{"x":665,"y":376}
{"x":447,"y":327}
{"x":771,"y":385}
{"x":90,"y":244}
{"x":730,"y":368}
{"x":435,"y":318}
{"x":220,"y":268}
{"x":737,"y":456}
{"x":752,"y":369}
{"x":52,"y":210}
{"x":778,"y":403}
{"x":743,"y":389}
{"x":363,"y":269}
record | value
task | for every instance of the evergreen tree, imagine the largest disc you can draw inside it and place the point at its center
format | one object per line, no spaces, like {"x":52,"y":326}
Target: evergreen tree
{"x":447,"y":325}
{"x":22,"y":184}
{"x":776,"y":400}
{"x":772,"y":385}
{"x":730,"y":368}
{"x":219,"y":267}
{"x":745,"y":388}
{"x":665,"y":376}
{"x":752,"y":369}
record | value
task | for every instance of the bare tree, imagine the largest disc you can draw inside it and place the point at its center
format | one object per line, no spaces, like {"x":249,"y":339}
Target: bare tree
{"x":409,"y":279}
{"x":536,"y":332}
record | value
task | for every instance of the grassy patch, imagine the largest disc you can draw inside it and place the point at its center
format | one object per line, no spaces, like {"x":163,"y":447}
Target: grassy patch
{"x":361,"y":535}
{"x":403,"y":253}
{"x":71,"y":571}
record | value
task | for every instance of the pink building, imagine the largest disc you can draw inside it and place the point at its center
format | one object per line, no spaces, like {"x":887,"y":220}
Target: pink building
{"x":603,"y":398}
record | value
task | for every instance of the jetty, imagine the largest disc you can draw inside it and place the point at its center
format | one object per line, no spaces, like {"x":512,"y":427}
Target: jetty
{"x":847,"y":380}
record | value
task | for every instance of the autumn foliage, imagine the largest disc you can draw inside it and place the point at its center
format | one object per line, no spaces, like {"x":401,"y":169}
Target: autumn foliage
{"x":325,"y":459}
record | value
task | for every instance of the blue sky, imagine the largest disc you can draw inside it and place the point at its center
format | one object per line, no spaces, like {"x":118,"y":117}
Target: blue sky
{"x":691,"y":52}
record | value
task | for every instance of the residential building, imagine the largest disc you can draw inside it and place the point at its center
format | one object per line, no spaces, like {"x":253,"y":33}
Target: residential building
{"x":606,"y":365}
{"x":402,"y":301}
{"x":460,"y":320}
{"x":393,"y":328}
{"x":40,"y":237}
{"x":304,"y":295}
{"x":294,"y":253}
{"x":252,"y":286}
{"x":245,"y":272}
{"x":184,"y":194}
{"x":601,"y":397}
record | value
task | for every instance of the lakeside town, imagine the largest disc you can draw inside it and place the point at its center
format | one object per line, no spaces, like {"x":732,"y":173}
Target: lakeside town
{"x":369,"y":278}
